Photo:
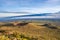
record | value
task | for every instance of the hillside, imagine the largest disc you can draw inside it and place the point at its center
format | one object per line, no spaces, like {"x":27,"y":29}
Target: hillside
{"x":34,"y":31}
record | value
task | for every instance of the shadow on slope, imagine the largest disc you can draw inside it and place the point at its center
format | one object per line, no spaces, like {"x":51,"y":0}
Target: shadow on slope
{"x":49,"y":26}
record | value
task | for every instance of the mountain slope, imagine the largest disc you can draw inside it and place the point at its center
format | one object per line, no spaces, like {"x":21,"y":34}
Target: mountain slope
{"x":35,"y":30}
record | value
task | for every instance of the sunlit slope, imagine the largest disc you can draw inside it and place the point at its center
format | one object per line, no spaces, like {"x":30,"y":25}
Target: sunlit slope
{"x":39,"y":30}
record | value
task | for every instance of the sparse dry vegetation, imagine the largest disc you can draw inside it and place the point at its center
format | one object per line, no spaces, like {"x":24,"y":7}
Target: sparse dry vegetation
{"x":29,"y":31}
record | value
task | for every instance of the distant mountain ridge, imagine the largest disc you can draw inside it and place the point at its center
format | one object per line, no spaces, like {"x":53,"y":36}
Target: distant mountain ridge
{"x":32,"y":16}
{"x":43,"y":14}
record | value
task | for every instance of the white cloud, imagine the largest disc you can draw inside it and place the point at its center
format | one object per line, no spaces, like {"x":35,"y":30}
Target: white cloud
{"x":11,"y":14}
{"x":48,"y":8}
{"x":41,"y":10}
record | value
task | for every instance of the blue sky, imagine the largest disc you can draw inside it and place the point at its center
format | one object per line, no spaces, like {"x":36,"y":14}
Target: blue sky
{"x":30,"y":6}
{"x":34,"y":6}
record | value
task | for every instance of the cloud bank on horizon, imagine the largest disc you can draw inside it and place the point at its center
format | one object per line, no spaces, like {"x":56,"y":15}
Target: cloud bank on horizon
{"x":31,"y":6}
